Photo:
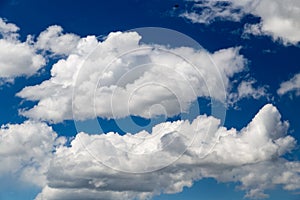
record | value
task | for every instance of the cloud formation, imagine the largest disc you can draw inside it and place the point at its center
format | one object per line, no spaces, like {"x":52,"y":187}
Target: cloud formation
{"x":26,"y":150}
{"x":120,"y":76}
{"x":292,"y":85}
{"x":206,"y":12}
{"x":278,"y":19}
{"x":17,"y":58}
{"x":56,"y":42}
{"x":246,"y":89}
{"x":104,"y":166}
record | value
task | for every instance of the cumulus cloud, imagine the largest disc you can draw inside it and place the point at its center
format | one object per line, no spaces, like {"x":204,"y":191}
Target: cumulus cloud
{"x":17,"y":58}
{"x":110,"y":166}
{"x":279,"y":19}
{"x":8,"y":30}
{"x":292,"y":85}
{"x":26,"y":150}
{"x":120,"y":76}
{"x":56,"y":42}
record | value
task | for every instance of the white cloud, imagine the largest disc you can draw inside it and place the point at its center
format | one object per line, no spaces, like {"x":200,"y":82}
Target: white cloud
{"x":92,"y":167}
{"x":266,"y":174}
{"x":26,"y":150}
{"x":19,"y":58}
{"x":279,"y":19}
{"x":55,"y":41}
{"x":206,"y":12}
{"x":120,"y":77}
{"x":292,"y":85}
{"x":8,"y":30}
{"x":16,"y":58}
{"x":246,"y":89}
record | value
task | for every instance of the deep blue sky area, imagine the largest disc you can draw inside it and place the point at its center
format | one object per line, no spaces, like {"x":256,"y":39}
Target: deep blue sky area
{"x":270,"y":63}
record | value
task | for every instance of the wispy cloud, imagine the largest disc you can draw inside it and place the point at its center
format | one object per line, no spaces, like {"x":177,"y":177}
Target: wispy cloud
{"x":278,"y":19}
{"x":292,"y":85}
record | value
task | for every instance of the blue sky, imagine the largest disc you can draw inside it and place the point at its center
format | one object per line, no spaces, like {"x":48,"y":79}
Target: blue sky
{"x":94,"y":67}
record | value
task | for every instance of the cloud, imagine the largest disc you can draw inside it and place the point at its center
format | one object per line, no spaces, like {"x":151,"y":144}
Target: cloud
{"x":292,"y":85}
{"x":16,"y":58}
{"x":19,"y":58}
{"x":246,"y":89}
{"x":26,"y":150}
{"x":279,"y":19}
{"x":55,"y":41}
{"x":120,"y":76}
{"x":8,"y":30}
{"x":173,"y":156}
{"x":206,"y":12}
{"x":267,"y":175}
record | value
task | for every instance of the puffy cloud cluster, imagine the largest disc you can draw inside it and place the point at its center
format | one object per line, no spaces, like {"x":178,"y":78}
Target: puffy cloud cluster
{"x":104,"y":166}
{"x":279,"y":19}
{"x":26,"y":150}
{"x":119,"y":77}
{"x":17,"y":58}
{"x":55,"y":41}
{"x":292,"y":85}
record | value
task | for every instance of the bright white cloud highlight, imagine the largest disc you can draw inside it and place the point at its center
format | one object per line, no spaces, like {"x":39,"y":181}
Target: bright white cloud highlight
{"x":26,"y":150}
{"x":250,"y":156}
{"x":55,"y":41}
{"x":279,"y":19}
{"x":8,"y":30}
{"x":292,"y":85}
{"x":120,"y":77}
{"x":17,"y":58}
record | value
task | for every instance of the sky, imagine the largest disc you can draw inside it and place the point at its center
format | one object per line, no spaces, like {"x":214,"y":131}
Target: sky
{"x":149,"y":99}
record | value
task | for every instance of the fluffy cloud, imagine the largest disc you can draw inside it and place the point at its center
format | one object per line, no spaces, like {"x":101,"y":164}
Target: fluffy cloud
{"x":292,"y":85}
{"x":279,"y":19}
{"x":16,"y":58}
{"x":8,"y":30}
{"x":55,"y":41}
{"x":19,"y":58}
{"x":120,"y":77}
{"x":173,"y":156}
{"x":26,"y":150}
